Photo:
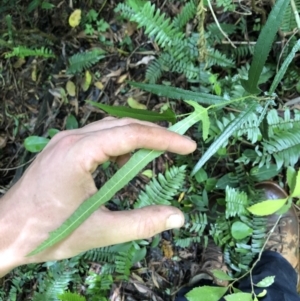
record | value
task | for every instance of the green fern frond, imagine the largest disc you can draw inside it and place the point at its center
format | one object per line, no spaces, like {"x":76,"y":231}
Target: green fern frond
{"x":187,"y":13}
{"x":236,"y":203}
{"x":283,"y":146}
{"x":243,"y":51}
{"x":82,"y":61}
{"x":215,"y":57}
{"x":154,"y":71}
{"x":214,"y":35}
{"x":187,"y":241}
{"x":277,"y":123}
{"x":156,"y":24}
{"x":24,"y":52}
{"x":289,"y":23}
{"x":105,"y":254}
{"x":68,"y":296}
{"x":163,"y":190}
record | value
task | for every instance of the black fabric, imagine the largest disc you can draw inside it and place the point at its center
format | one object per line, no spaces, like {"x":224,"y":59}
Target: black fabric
{"x":284,"y":287}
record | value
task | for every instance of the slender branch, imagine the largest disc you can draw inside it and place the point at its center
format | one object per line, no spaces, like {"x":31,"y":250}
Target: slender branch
{"x":218,"y":24}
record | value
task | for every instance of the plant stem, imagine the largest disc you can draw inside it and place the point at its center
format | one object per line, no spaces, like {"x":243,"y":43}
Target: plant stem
{"x":296,"y":13}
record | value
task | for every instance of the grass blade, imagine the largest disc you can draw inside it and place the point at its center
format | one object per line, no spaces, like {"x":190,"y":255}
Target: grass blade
{"x":263,"y":46}
{"x":229,"y":130}
{"x":177,"y":93}
{"x":122,"y":111}
{"x":138,"y":161}
{"x":284,"y":67}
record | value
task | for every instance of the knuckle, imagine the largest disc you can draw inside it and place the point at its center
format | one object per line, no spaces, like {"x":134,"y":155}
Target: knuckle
{"x":146,"y":228}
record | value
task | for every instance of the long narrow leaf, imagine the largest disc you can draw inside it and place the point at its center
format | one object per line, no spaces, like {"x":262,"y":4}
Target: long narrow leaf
{"x":138,"y":161}
{"x":177,"y":93}
{"x":229,"y":130}
{"x":263,"y":46}
{"x":121,"y":111}
{"x":284,"y":67}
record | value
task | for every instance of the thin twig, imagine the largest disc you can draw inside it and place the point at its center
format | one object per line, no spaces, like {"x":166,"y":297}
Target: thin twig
{"x":218,"y":24}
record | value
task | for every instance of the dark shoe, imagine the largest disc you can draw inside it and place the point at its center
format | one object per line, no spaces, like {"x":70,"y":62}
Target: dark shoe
{"x":285,"y":237}
{"x":212,"y":259}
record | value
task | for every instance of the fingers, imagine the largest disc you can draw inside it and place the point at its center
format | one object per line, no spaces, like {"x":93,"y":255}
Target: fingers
{"x":98,"y":147}
{"x":130,"y":225}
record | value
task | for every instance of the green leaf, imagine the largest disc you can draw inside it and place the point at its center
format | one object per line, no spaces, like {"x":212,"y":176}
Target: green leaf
{"x":71,"y":123}
{"x":125,"y":174}
{"x":291,"y":177}
{"x":206,"y":293}
{"x":296,"y":190}
{"x":262,"y":294}
{"x":68,"y":296}
{"x":265,"y":172}
{"x":263,"y":46}
{"x":221,"y":275}
{"x":201,"y":176}
{"x":177,"y":93}
{"x":229,"y":130}
{"x":240,"y":230}
{"x":52,"y":132}
{"x":267,"y":207}
{"x":267,"y":281}
{"x":239,"y":297}
{"x":121,"y":111}
{"x":284,"y":66}
{"x":35,"y":144}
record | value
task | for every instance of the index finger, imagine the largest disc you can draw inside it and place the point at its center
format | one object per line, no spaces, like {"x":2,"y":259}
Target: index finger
{"x":98,"y":147}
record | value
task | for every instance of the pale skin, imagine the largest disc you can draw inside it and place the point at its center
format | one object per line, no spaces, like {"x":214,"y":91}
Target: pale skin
{"x":60,"y":179}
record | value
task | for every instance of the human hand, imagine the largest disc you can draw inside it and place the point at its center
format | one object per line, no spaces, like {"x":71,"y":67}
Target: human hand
{"x":60,"y":179}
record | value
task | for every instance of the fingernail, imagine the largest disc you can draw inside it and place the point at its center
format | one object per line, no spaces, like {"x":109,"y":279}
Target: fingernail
{"x":174,"y":221}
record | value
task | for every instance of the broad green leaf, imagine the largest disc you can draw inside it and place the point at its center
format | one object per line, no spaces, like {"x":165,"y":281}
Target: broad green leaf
{"x":206,"y":293}
{"x":239,"y":297}
{"x":177,"y":93}
{"x":291,"y":177}
{"x":264,"y":173}
{"x":35,"y":144}
{"x":263,"y":46}
{"x":71,"y":123}
{"x":221,"y":275}
{"x":267,"y":207}
{"x":229,"y":130}
{"x":125,"y":174}
{"x":120,"y":111}
{"x":240,"y":230}
{"x":296,"y":190}
{"x":201,"y":176}
{"x":267,"y":281}
{"x":284,"y":66}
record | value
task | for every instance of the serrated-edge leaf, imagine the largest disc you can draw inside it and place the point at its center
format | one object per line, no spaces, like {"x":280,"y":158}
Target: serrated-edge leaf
{"x":229,"y":130}
{"x":296,"y":190}
{"x":239,"y":297}
{"x":221,"y":275}
{"x":284,"y":67}
{"x":137,"y":162}
{"x":204,"y":293}
{"x":121,"y":111}
{"x":263,"y":46}
{"x":267,"y":281}
{"x":178,"y":93}
{"x":267,"y":207}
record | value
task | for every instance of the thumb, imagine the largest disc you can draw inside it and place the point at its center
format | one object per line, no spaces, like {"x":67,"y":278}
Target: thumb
{"x":122,"y":226}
